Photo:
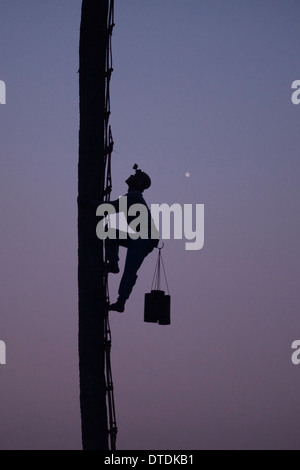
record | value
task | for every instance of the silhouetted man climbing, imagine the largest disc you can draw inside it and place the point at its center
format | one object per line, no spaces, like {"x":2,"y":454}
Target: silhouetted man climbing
{"x":137,"y":249}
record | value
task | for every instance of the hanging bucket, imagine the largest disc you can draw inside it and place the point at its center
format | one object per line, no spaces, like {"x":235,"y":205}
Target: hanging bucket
{"x":157,"y":303}
{"x":158,"y":308}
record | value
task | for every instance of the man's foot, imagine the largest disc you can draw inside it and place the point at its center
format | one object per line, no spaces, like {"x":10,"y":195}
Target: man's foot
{"x":119,"y":306}
{"x":112,"y":268}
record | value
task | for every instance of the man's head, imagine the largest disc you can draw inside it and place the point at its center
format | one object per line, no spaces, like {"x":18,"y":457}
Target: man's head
{"x":140,"y":181}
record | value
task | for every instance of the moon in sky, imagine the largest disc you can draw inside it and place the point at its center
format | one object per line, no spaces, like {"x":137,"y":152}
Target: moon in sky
{"x":187,"y":174}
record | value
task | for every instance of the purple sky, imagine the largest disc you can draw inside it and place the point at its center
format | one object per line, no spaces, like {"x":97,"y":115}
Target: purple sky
{"x":199,"y":86}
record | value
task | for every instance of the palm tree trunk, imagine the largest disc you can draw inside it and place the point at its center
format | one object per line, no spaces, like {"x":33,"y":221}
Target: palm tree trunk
{"x":90,"y":251}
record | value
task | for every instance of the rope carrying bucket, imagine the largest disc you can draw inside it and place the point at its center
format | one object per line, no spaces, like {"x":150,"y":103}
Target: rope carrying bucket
{"x":157,"y":302}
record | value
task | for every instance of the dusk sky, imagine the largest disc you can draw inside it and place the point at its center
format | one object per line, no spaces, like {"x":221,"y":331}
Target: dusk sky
{"x":200,"y":87}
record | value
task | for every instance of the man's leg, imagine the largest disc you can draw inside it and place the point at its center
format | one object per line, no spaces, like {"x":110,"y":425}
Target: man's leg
{"x":134,"y":260}
{"x":137,"y":252}
{"x":112,"y":252}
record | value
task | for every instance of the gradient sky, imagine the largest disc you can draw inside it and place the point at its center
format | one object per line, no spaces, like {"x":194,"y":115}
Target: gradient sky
{"x":199,"y":86}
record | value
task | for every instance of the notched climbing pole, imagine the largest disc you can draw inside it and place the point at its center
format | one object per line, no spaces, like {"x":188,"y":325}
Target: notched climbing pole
{"x":94,"y":173}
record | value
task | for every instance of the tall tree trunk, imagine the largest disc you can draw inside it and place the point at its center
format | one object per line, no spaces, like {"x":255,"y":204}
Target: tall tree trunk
{"x":90,"y":251}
